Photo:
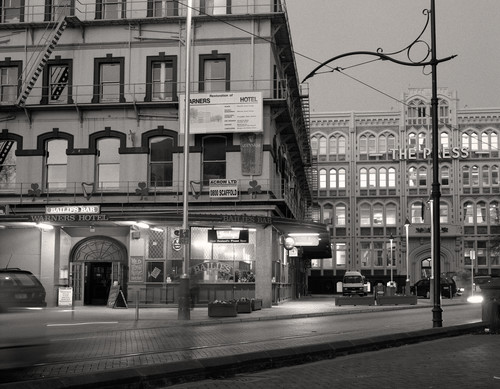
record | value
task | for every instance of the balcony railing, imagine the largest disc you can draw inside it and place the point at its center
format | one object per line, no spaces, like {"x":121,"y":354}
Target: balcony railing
{"x":134,"y":192}
{"x":35,"y":11}
{"x":79,"y":94}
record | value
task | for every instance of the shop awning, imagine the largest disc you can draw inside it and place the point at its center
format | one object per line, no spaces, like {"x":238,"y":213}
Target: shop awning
{"x":291,"y":226}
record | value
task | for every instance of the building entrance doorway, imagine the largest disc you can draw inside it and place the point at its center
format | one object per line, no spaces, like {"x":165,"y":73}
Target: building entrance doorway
{"x":97,"y":282}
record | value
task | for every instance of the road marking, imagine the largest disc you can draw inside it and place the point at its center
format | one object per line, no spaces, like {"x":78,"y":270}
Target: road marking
{"x":81,"y":324}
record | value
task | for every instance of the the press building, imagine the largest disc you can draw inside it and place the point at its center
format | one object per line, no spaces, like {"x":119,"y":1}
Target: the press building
{"x":374,"y":174}
{"x":91,"y":150}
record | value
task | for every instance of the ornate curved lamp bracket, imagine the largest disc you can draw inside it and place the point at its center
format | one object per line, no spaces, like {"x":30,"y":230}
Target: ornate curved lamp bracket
{"x":423,"y":62}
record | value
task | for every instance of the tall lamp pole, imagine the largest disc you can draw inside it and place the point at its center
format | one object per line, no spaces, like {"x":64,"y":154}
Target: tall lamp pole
{"x":435,"y":192}
{"x":407,"y":285}
{"x":391,"y":239}
{"x":184,"y":295}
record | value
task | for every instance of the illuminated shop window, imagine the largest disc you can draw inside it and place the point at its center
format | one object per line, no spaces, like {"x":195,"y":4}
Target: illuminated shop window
{"x":340,"y":254}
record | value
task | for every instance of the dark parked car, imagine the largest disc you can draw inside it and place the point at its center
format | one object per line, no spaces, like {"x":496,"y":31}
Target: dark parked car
{"x":423,"y":287}
{"x":20,"y":288}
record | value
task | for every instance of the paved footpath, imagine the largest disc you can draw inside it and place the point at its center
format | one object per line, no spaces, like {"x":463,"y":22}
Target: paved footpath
{"x":103,"y":372}
{"x":462,"y":362}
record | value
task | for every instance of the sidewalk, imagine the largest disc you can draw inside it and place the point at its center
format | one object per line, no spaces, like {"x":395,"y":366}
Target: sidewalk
{"x":201,"y":365}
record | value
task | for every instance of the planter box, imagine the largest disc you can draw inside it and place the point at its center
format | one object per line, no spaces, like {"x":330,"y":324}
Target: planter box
{"x":396,"y":300}
{"x":354,"y":300}
{"x":256,"y":304}
{"x":222,"y":310}
{"x":244,"y":306}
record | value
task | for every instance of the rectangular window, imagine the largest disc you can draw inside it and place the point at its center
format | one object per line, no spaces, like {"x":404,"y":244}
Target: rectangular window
{"x":340,"y":254}
{"x":162,"y":8}
{"x":12,"y":11}
{"x":215,"y":7}
{"x":214,"y":158}
{"x":109,"y":78}
{"x":57,"y":79}
{"x":8,"y":84}
{"x":162,"y":80}
{"x":214,"y":72}
{"x":365,"y":254}
{"x":57,"y":9}
{"x":111,"y":9}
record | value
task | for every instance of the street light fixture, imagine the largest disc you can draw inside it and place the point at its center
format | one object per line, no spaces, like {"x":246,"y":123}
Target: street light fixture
{"x":435,"y":192}
{"x":407,"y":285}
{"x":391,"y":263}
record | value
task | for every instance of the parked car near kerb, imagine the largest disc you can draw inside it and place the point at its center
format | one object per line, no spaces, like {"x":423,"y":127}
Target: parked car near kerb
{"x":422,"y":287}
{"x":20,"y":289}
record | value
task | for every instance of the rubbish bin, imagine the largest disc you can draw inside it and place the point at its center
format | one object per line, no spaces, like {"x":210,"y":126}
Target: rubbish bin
{"x":391,"y":288}
{"x":490,"y":306}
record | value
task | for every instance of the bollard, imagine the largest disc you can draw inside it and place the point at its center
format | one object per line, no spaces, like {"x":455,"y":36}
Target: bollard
{"x":136,"y":305}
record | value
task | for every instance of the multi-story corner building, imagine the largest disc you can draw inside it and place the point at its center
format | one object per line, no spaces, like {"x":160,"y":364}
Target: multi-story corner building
{"x":374,"y":177}
{"x":92,"y":138}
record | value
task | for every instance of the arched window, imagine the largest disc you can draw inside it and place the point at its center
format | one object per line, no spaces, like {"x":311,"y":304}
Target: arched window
{"x":412,"y":140}
{"x":333,"y":179}
{"x":412,"y":177}
{"x":372,"y":144}
{"x":161,"y":161}
{"x":494,"y":175}
{"x":481,"y":212}
{"x":322,"y":145}
{"x":444,"y":212}
{"x":363,"y":178}
{"x":340,"y":215}
{"x":443,"y":110}
{"x":382,"y":144}
{"x":465,"y":176}
{"x":372,"y":177}
{"x":474,"y":142}
{"x":485,"y":176}
{"x":378,"y":215}
{"x":332,"y":145}
{"x":445,"y":140}
{"x":474,"y":176}
{"x":390,"y":215}
{"x":422,"y":176}
{"x":108,"y":163}
{"x":341,"y":179}
{"x":327,"y":213}
{"x":341,"y":144}
{"x":422,"y":141}
{"x":445,"y":176}
{"x":56,"y":164}
{"x":382,"y":177}
{"x":468,"y":212}
{"x":322,"y":179}
{"x":8,"y":164}
{"x":392,"y":177}
{"x":314,"y":145}
{"x":417,"y":212}
{"x":365,"y":215}
{"x":363,"y":144}
{"x":494,"y":213}
{"x":391,"y":142}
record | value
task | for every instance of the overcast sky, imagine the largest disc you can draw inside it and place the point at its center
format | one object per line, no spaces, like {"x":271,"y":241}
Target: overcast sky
{"x":322,"y":29}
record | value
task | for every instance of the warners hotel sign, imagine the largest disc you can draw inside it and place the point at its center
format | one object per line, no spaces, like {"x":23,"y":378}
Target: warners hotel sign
{"x":70,"y":213}
{"x":444,"y":153}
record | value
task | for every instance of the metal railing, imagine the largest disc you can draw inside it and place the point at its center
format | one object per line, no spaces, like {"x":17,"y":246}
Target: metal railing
{"x":35,"y":11}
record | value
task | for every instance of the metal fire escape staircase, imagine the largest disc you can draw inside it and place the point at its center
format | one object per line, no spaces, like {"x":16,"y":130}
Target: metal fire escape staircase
{"x":310,"y":164}
{"x":38,"y":60}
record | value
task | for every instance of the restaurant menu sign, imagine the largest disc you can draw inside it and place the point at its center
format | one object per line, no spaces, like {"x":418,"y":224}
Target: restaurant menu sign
{"x":223,"y":112}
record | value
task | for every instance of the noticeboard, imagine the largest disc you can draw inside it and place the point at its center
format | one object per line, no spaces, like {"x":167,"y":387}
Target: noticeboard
{"x":65,"y":297}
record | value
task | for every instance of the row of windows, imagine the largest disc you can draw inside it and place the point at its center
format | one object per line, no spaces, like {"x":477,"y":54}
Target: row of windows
{"x":109,"y":75}
{"x":418,"y":177}
{"x":372,"y":144}
{"x":378,"y":214}
{"x":14,"y":11}
{"x":107,"y":162}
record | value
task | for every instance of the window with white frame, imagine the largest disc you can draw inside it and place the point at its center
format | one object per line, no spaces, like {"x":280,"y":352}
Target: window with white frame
{"x":214,"y":72}
{"x":9,"y":83}
{"x":108,"y":163}
{"x":56,"y":164}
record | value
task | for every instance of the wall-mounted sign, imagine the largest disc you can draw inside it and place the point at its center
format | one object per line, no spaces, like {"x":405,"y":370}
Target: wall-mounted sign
{"x":228,"y":236}
{"x":68,"y":218}
{"x":445,"y":153}
{"x":72,"y":209}
{"x":223,"y":112}
{"x":223,"y":188}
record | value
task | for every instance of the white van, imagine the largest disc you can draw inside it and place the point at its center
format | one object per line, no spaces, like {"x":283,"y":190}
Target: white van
{"x":353,"y":283}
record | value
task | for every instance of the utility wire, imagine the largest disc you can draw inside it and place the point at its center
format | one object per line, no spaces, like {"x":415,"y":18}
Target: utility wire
{"x":332,"y":69}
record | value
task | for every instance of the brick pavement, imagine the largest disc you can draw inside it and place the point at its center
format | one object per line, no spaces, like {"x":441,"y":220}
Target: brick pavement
{"x":200,"y":361}
{"x":468,"y":361}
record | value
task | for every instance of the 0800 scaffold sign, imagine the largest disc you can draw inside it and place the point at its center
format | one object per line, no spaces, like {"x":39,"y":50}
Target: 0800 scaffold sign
{"x":223,"y":188}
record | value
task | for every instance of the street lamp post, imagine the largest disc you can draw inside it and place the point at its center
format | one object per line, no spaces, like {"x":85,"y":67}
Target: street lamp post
{"x":391,"y":239}
{"x":435,"y":192}
{"x":407,"y":285}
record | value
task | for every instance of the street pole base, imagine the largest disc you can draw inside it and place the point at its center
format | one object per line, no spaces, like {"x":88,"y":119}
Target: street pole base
{"x":184,"y":310}
{"x":437,"y":317}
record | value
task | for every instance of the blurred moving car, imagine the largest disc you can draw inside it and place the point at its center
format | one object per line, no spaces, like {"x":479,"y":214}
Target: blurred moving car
{"x":23,"y":341}
{"x":423,"y":287}
{"x":20,"y":288}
